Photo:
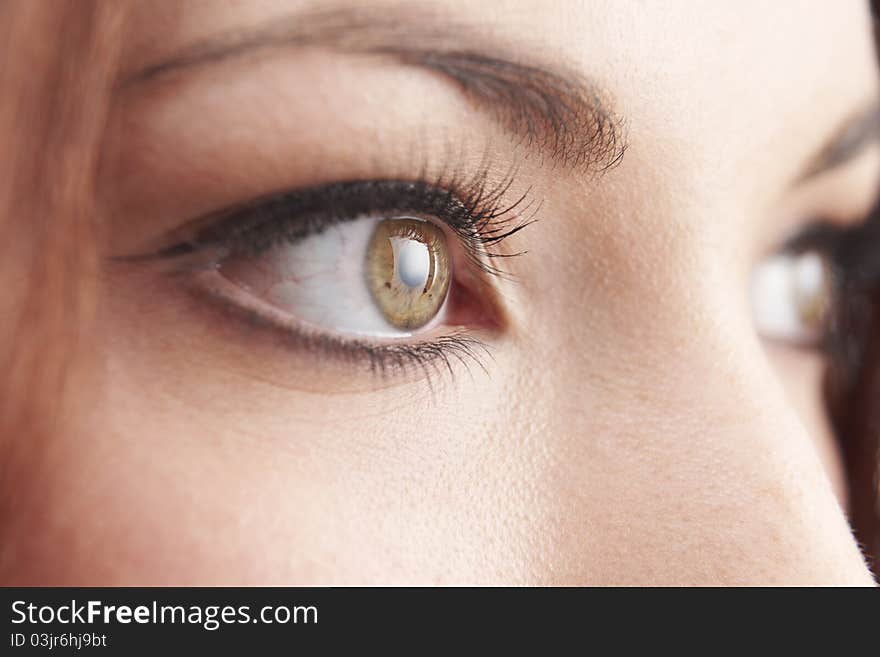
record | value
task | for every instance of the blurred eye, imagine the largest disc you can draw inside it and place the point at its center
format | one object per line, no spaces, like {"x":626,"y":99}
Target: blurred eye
{"x":792,"y":297}
{"x":376,"y":277}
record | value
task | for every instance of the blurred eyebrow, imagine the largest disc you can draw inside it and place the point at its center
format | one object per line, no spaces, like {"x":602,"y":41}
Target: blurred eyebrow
{"x":857,"y":133}
{"x":557,"y":112}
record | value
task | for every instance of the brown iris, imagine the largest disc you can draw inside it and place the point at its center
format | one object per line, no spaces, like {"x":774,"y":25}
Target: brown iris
{"x":408,"y":271}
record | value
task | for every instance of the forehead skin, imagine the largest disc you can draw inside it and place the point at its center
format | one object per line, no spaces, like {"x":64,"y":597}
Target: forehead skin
{"x":632,"y":430}
{"x":722,"y":101}
{"x":676,"y":70}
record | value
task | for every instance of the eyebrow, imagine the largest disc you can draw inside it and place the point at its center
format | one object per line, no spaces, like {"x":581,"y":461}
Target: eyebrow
{"x":557,"y":112}
{"x":857,"y":133}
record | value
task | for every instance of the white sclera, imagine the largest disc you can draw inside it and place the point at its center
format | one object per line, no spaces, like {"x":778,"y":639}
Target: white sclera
{"x":323,"y":281}
{"x":781,"y":286}
{"x":809,"y":275}
{"x":412,"y":261}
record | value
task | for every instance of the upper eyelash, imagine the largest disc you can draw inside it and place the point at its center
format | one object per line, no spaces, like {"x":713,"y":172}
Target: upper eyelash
{"x":473,"y":209}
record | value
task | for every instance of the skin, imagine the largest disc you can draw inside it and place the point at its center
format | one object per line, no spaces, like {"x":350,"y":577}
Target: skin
{"x":630,"y":428}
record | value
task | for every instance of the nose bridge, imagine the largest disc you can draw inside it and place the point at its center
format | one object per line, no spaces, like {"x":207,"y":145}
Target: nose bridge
{"x":713,"y":484}
{"x":679,"y":453}
{"x":682,"y":371}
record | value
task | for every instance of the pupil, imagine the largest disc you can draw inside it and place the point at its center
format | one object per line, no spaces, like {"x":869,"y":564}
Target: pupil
{"x":412,"y":261}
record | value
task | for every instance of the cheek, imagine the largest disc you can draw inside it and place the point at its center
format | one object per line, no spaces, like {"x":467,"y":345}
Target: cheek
{"x":168,"y":482}
{"x":657,"y":480}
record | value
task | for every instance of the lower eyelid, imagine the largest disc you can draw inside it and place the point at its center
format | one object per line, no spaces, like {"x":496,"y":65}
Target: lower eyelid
{"x":434,"y":353}
{"x":333,"y":280}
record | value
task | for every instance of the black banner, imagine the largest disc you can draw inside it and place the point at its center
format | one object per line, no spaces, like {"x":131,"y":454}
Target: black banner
{"x":105,"y":621}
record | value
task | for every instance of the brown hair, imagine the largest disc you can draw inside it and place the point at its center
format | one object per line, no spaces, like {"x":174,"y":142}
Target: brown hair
{"x":853,"y":392}
{"x":853,"y":388}
{"x":57,"y":63}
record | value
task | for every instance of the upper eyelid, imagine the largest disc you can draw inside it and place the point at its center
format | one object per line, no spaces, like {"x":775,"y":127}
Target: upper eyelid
{"x":477,"y":213}
{"x":322,"y":202}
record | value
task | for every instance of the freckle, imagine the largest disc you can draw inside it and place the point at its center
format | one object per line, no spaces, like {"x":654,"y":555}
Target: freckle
{"x":388,"y":285}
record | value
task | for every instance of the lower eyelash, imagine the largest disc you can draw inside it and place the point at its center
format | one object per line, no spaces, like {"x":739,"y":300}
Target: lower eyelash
{"x":433,"y":358}
{"x":439,"y":356}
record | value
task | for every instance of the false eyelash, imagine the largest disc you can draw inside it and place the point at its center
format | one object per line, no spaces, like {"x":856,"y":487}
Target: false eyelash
{"x":473,"y":208}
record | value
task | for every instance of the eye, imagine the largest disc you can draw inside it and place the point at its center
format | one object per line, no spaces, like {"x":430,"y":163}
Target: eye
{"x":371,"y":276}
{"x":792,"y":297}
{"x":393,"y":272}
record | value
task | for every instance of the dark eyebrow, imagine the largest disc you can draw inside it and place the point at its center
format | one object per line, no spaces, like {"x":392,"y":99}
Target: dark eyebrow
{"x":557,"y":112}
{"x":857,"y":133}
